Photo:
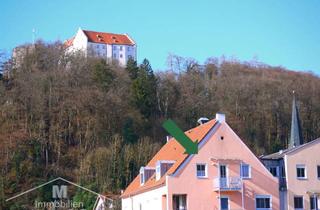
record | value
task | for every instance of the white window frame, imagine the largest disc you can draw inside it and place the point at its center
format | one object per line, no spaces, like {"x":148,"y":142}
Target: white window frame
{"x":316,"y":202}
{"x":249,"y":171}
{"x":205,"y":171}
{"x":305,"y":171}
{"x":158,"y":167}
{"x":227,"y":170}
{"x":262,"y":196}
{"x":142,"y":181}
{"x":158,"y":170}
{"x":298,"y":196}
{"x":224,"y":196}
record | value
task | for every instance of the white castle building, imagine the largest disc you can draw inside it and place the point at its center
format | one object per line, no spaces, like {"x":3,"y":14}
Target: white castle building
{"x":113,"y":47}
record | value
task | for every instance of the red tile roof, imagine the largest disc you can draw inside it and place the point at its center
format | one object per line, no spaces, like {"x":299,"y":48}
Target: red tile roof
{"x":68,"y":42}
{"x":172,"y":150}
{"x":108,"y":38}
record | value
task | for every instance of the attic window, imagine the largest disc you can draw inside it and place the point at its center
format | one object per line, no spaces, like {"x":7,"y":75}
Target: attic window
{"x":145,"y":174}
{"x":202,"y":120}
{"x":162,"y":166}
{"x":113,"y":37}
{"x":141,"y":176}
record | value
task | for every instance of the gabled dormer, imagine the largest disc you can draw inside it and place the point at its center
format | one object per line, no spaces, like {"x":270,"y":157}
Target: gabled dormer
{"x":145,"y":174}
{"x":162,"y":166}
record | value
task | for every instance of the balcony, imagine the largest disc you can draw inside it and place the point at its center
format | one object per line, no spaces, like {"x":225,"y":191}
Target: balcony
{"x":227,"y":184}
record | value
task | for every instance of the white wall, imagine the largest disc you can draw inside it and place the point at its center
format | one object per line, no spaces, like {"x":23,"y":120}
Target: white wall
{"x":79,"y":43}
{"x":99,"y":50}
{"x":123,"y":55}
{"x":150,"y":200}
{"x":109,"y":52}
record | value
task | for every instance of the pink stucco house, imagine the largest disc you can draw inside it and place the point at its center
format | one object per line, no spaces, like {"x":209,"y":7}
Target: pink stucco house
{"x":297,"y":168}
{"x":224,"y":175}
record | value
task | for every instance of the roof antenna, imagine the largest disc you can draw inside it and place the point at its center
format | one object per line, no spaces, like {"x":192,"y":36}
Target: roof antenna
{"x":33,"y":36}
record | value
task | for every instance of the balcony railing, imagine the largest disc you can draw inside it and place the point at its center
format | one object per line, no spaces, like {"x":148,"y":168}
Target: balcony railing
{"x":227,"y":184}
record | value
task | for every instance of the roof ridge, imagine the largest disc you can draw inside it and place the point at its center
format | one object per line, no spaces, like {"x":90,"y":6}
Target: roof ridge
{"x":108,"y":38}
{"x":104,"y":32}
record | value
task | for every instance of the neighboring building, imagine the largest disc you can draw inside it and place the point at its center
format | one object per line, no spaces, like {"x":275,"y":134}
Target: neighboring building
{"x":113,"y":47}
{"x":298,"y":169}
{"x":224,"y":175}
{"x":105,"y":202}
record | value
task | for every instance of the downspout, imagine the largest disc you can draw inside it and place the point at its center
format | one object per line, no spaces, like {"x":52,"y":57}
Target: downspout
{"x":285,"y":160}
{"x":242,"y":195}
{"x":167,"y":183}
{"x":131,"y":202}
{"x":242,"y":183}
{"x":219,"y":197}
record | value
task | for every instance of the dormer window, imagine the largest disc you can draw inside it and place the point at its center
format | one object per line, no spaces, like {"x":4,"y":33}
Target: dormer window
{"x":162,"y":166}
{"x":145,"y":174}
{"x":141,"y":176}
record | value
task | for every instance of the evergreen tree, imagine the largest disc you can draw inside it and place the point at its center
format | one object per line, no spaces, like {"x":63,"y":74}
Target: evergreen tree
{"x":132,"y":68}
{"x":144,"y":90}
{"x":128,"y":132}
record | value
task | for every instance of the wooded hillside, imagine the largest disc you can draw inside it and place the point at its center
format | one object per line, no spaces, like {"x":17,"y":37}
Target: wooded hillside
{"x":96,"y":123}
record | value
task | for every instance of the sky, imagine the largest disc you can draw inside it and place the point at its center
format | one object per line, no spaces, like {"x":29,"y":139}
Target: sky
{"x":276,"y":32}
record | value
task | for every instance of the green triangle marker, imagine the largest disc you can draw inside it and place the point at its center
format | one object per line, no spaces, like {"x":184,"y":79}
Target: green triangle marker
{"x":190,"y":146}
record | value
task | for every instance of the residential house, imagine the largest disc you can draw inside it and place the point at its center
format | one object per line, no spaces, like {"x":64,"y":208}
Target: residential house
{"x":224,"y":175}
{"x":106,"y":202}
{"x":297,"y":168}
{"x":110,"y":46}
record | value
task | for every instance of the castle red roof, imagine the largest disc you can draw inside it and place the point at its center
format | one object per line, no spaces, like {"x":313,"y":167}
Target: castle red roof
{"x":108,"y":38}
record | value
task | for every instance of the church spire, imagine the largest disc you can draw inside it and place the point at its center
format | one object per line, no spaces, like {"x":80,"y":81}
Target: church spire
{"x":295,"y":135}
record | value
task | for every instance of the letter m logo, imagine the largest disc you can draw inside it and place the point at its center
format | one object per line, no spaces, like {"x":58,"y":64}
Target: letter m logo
{"x":59,"y":192}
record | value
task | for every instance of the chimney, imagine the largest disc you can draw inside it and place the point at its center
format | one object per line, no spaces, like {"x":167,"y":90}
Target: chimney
{"x":220,"y":117}
{"x":168,"y":138}
{"x":202,"y":120}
